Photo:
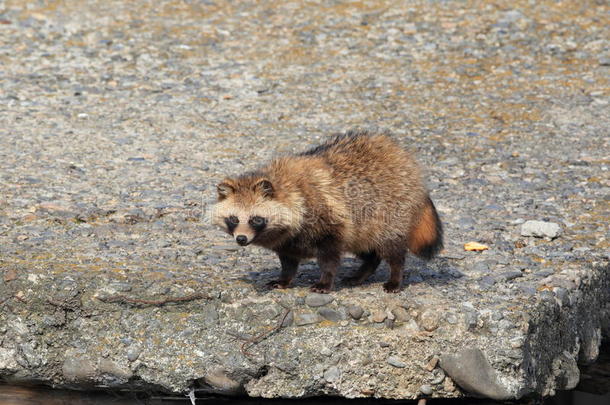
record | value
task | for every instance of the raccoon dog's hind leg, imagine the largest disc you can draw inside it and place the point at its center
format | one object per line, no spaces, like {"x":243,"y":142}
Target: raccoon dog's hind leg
{"x":370,"y":262}
{"x":396,"y":259}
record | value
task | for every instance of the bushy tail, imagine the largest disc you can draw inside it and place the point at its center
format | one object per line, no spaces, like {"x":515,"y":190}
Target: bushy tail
{"x":426,"y":237}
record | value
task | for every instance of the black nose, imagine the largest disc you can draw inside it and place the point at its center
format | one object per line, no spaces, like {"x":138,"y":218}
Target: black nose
{"x":242,"y":239}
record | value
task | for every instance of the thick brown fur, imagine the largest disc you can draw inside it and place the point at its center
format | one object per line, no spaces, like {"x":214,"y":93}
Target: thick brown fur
{"x":360,"y":193}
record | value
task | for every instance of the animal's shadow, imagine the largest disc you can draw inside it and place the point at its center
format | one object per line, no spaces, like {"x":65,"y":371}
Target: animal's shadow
{"x":435,"y":272}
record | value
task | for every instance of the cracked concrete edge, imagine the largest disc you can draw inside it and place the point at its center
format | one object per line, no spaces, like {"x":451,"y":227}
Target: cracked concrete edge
{"x":558,"y":340}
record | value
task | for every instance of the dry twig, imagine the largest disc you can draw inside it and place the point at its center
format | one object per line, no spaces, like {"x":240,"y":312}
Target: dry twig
{"x":121,"y":299}
{"x":249,"y":342}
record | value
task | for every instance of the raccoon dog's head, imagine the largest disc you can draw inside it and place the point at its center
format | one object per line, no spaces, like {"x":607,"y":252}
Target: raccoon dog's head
{"x":253,"y":209}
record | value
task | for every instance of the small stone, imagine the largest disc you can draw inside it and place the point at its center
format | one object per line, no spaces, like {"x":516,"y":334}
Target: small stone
{"x":332,"y":374}
{"x":426,"y":389}
{"x":78,"y":369}
{"x":486,"y":281}
{"x":396,"y":362}
{"x":540,"y":229}
{"x":330,"y":314}
{"x":451,"y":319}
{"x":378,"y":316}
{"x":470,"y":320}
{"x":355,"y":311}
{"x":306,"y":319}
{"x":221,"y":383}
{"x":472,"y":371}
{"x":288,"y":319}
{"x":326,"y":352}
{"x":318,"y":300}
{"x":562,"y":296}
{"x":409,"y":328}
{"x":110,"y":367}
{"x":133,"y":352}
{"x":448,"y":385}
{"x":400,"y":314}
{"x":432,"y":363}
{"x":429,"y":320}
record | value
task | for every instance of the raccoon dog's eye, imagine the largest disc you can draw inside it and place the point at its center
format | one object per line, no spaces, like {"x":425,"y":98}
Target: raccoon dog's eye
{"x":231,"y":222}
{"x":257,"y":222}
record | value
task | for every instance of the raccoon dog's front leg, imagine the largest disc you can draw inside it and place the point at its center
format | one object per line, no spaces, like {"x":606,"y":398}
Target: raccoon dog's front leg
{"x":289,"y":270}
{"x":329,"y":258}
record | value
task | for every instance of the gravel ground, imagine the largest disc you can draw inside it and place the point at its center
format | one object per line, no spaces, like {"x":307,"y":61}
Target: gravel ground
{"x":117,"y":119}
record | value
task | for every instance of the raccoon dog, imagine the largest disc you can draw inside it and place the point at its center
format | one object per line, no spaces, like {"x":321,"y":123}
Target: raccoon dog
{"x":358,"y":192}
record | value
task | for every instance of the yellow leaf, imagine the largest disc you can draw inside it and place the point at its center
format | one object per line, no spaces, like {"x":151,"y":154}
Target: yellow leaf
{"x":475,"y":247}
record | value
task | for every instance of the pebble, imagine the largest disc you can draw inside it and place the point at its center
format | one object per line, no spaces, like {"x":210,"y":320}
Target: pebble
{"x":429,"y":320}
{"x":470,"y":320}
{"x":540,"y":229}
{"x":396,"y":362}
{"x":332,"y":374}
{"x":326,"y":352}
{"x":449,"y":385}
{"x":426,"y":389}
{"x":401,"y":314}
{"x":355,"y":311}
{"x":219,"y":380}
{"x":110,"y":367}
{"x":318,"y":300}
{"x":301,"y":319}
{"x":78,"y":369}
{"x":378,"y":316}
{"x":133,"y":352}
{"x":432,"y":363}
{"x":288,"y":320}
{"x":471,"y":370}
{"x":451,"y":319}
{"x":330,"y":314}
{"x":562,"y":296}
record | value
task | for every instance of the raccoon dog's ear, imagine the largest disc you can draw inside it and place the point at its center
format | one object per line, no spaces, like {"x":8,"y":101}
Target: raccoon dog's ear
{"x":264,"y":187}
{"x":224,"y":189}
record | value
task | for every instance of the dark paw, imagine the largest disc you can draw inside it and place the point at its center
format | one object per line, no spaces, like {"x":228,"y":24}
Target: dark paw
{"x":391,"y":287}
{"x":322,"y":288}
{"x":278,"y":284}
